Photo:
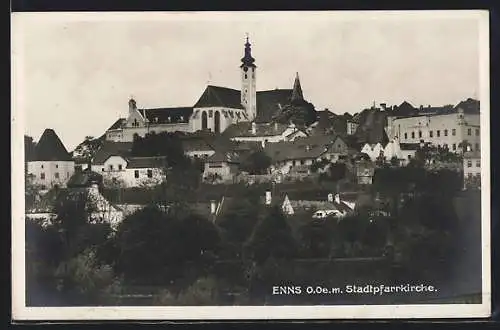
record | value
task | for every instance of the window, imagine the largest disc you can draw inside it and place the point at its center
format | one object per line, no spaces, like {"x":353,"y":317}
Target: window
{"x":477,"y":131}
{"x":120,"y":167}
{"x":438,"y":133}
{"x":419,"y":134}
{"x":150,"y":173}
{"x":301,"y":162}
{"x":477,"y":147}
{"x":136,"y":174}
{"x":67,"y":174}
{"x":56,"y":175}
{"x":57,"y":166}
{"x":445,"y":132}
{"x":293,"y":163}
{"x":469,"y":163}
{"x":430,"y":134}
{"x":246,"y":76}
{"x":478,"y":163}
{"x":42,"y":166}
{"x":454,"y":146}
{"x":453,"y":132}
{"x":406,"y":136}
{"x":103,"y":169}
{"x":469,"y":131}
{"x":409,"y":157}
{"x":412,"y":135}
{"x":42,"y":176}
{"x":110,"y":167}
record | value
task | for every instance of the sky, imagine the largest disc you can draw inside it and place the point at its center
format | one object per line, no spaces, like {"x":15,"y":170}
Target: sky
{"x":74,"y":73}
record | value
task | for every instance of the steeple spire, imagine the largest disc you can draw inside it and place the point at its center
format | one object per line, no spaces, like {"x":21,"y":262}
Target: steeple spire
{"x":297,"y":90}
{"x":248,"y":60}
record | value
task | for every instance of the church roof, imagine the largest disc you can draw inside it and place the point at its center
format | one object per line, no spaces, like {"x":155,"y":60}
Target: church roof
{"x":270,"y":103}
{"x":167,"y":115}
{"x":216,"y":96}
{"x":110,"y":148}
{"x":50,"y":148}
{"x":297,"y":95}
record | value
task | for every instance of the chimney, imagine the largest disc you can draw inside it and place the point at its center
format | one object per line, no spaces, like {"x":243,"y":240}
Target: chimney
{"x":213,"y":207}
{"x":268,"y":197}
{"x":337,"y":198}
{"x":330,"y":198}
{"x":254,"y":128}
{"x":132,"y":106}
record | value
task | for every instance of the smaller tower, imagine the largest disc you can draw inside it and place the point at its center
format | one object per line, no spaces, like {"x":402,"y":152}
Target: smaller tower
{"x":248,"y":82}
{"x":297,"y":96}
{"x":132,"y":106}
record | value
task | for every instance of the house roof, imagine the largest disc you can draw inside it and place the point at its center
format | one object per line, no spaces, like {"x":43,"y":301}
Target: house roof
{"x":167,"y":115}
{"x":50,"y":148}
{"x":118,"y":124}
{"x":146,"y":162}
{"x":110,"y":148}
{"x":409,"y":146}
{"x":270,"y":103}
{"x":281,"y":151}
{"x":216,"y":96}
{"x":197,"y":143}
{"x":469,"y":106}
{"x":371,"y":127}
{"x":244,"y":129}
{"x":84,"y":179}
{"x":224,"y":156}
{"x":472,"y":154}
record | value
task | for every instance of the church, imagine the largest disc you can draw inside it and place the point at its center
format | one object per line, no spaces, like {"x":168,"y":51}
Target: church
{"x":217,"y":108}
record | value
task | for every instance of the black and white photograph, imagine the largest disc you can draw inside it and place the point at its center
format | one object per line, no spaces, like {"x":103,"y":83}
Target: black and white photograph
{"x":250,"y":165}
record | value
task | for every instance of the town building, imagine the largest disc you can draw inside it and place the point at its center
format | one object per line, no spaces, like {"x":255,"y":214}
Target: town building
{"x":472,"y":169}
{"x":221,"y":167}
{"x":264,"y":132}
{"x":115,"y":163}
{"x":217,"y":108}
{"x":452,"y":127}
{"x":51,"y":164}
{"x":402,"y":152}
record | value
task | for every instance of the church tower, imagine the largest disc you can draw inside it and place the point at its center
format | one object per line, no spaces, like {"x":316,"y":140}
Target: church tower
{"x":248,"y":88}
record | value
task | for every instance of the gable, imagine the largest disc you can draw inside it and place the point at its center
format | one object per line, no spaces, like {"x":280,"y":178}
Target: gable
{"x":216,"y":96}
{"x":270,"y":103}
{"x":135,"y":116}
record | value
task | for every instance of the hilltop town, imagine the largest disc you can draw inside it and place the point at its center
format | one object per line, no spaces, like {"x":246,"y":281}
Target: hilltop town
{"x":270,"y":151}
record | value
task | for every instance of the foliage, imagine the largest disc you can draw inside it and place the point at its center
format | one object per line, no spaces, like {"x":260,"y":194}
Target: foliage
{"x":29,"y":148}
{"x":161,"y":144}
{"x":154,"y":246}
{"x":86,"y":150}
{"x":256,"y":163}
{"x":271,"y":237}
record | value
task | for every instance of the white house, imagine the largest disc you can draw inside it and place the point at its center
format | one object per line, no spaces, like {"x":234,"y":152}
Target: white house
{"x":404,"y":152}
{"x":264,"y":132}
{"x":51,"y":163}
{"x":221,"y":167}
{"x":446,"y":126}
{"x":472,"y":168}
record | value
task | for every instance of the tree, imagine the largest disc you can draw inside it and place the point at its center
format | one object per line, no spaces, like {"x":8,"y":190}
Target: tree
{"x":29,"y":148}
{"x":256,"y":163}
{"x":271,"y":237}
{"x":86,"y":150}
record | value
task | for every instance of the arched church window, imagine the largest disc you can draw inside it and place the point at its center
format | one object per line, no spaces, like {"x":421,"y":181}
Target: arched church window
{"x":204,"y":120}
{"x":246,"y":76}
{"x":217,"y":122}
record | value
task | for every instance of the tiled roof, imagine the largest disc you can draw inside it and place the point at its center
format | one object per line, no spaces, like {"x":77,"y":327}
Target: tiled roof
{"x":110,"y":148}
{"x":409,"y":146}
{"x":269,"y":103}
{"x":146,"y":162}
{"x":469,"y":106}
{"x":50,"y":148}
{"x":224,"y":156}
{"x":281,"y":151}
{"x":216,"y":96}
{"x":84,"y":179}
{"x":167,"y":115}
{"x":196,"y":144}
{"x":244,"y":129}
{"x":472,"y":154}
{"x":118,"y":124}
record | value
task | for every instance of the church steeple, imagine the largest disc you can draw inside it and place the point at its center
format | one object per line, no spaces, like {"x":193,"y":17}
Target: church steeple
{"x":297,"y":90}
{"x":248,"y":82}
{"x":248,"y":60}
